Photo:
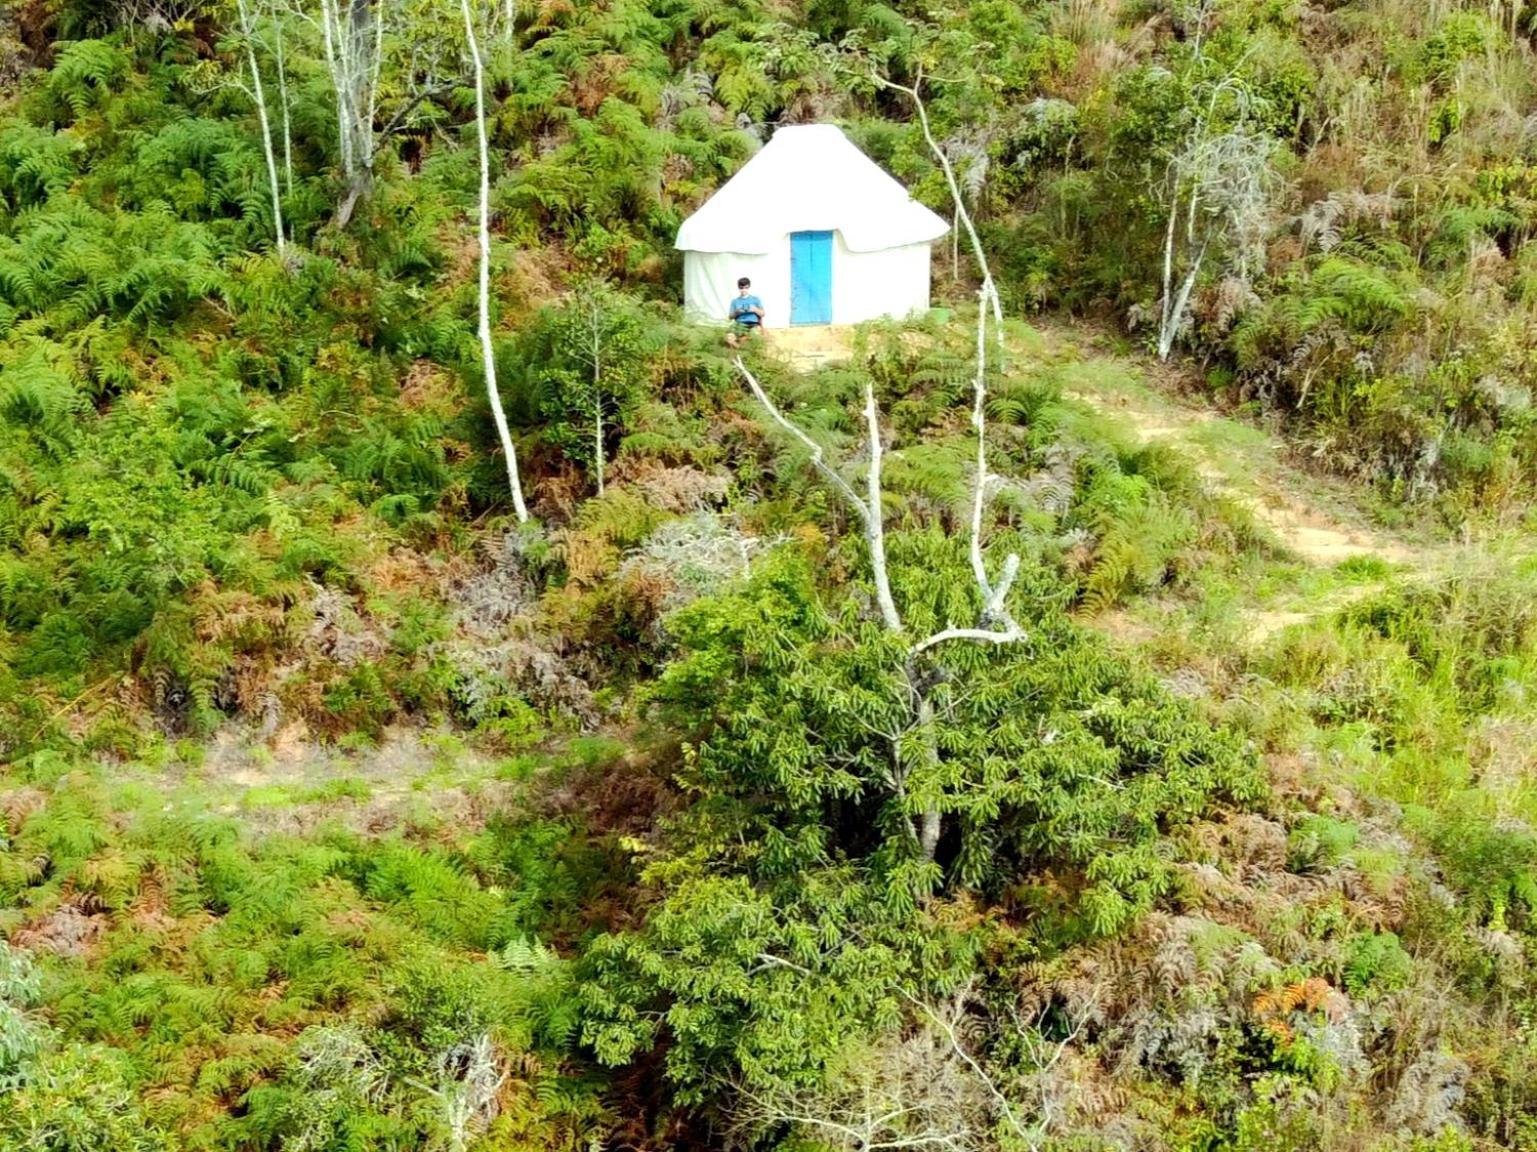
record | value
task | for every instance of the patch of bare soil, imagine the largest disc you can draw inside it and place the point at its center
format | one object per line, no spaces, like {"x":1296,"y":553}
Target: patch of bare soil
{"x":810,"y":346}
{"x":1283,"y":504}
{"x":281,"y":785}
{"x":1250,"y":470}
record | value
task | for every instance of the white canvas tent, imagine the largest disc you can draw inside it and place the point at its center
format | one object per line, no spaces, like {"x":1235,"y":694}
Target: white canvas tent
{"x":824,"y":234}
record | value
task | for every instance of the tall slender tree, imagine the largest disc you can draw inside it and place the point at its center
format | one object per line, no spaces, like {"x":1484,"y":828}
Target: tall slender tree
{"x":259,"y":98}
{"x":996,"y":625}
{"x":483,"y":231}
{"x":280,"y":59}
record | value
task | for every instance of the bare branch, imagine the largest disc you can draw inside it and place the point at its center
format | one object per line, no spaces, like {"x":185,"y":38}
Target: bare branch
{"x":769,"y":960}
{"x":1009,"y":635}
{"x":869,"y":509}
{"x":876,"y":529}
{"x":905,"y":1090}
{"x":988,"y":303}
{"x":818,"y":460}
{"x":260,"y":99}
{"x":1030,"y":1136}
{"x":990,"y":297}
{"x":420,"y":97}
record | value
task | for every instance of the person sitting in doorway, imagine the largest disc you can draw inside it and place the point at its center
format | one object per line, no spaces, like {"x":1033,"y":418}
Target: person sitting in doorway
{"x":746,"y":313}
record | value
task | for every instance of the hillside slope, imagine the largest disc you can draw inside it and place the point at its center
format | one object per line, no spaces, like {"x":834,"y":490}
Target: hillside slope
{"x":1123,"y":743}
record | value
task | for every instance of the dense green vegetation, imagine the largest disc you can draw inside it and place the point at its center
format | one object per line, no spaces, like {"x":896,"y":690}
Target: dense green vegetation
{"x":341,"y":810}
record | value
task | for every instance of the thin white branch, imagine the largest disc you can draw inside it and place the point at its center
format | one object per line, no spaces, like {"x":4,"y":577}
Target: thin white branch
{"x":996,"y":608}
{"x":914,"y":93}
{"x":818,"y":459}
{"x":266,"y":128}
{"x":987,"y":1081}
{"x":1008,"y":635}
{"x":331,"y":32}
{"x":877,"y":530}
{"x":869,"y":510}
{"x":988,"y":303}
{"x":288,"y":134}
{"x":769,"y":960}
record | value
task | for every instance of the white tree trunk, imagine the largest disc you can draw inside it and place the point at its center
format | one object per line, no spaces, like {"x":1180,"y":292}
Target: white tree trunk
{"x":1176,"y":302}
{"x":260,"y":99}
{"x":875,"y":529}
{"x":597,"y":398}
{"x":955,"y":245}
{"x":1167,"y":303}
{"x":288,"y":132}
{"x":488,"y":359}
{"x":994,"y":598}
{"x":354,"y":50}
{"x":376,"y":61}
{"x":330,"y":27}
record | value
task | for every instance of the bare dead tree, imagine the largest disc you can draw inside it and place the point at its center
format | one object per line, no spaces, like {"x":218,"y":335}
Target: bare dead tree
{"x":210,"y":77}
{"x":996,"y":624}
{"x":1217,"y":184}
{"x":914,"y":1091}
{"x":280,"y":58}
{"x":483,"y":232}
{"x":358,"y":37}
{"x":1218,"y":189}
{"x":353,"y":35}
{"x":927,"y":1086}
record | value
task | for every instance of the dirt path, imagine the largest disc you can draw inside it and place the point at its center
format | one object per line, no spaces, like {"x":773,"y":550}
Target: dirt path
{"x":1244,"y":465}
{"x":1322,"y":523}
{"x":810,"y":346}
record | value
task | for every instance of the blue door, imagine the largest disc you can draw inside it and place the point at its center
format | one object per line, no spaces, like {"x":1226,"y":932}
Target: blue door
{"x":811,"y":277}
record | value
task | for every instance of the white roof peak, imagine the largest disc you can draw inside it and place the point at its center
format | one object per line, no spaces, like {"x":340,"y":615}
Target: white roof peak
{"x":809,"y":178}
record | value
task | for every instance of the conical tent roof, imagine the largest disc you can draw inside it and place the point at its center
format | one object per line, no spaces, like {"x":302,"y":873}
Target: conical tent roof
{"x":809,"y":178}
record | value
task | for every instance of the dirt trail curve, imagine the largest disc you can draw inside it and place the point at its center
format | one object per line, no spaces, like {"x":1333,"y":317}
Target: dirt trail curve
{"x":1319,"y":522}
{"x":1246,"y":466}
{"x":1252,"y":475}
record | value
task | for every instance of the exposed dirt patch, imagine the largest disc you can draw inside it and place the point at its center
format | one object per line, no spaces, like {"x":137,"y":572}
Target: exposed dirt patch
{"x":292,"y":783}
{"x":1271,"y":492}
{"x":1315,"y":520}
{"x":810,"y":346}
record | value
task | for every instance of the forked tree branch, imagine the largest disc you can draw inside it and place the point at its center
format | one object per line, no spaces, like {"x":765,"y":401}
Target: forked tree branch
{"x":869,"y":509}
{"x":1008,"y":635}
{"x":1029,"y":1136}
{"x":988,"y":303}
{"x":818,"y":458}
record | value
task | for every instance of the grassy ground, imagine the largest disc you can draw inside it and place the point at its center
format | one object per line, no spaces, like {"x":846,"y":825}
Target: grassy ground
{"x":424,"y":886}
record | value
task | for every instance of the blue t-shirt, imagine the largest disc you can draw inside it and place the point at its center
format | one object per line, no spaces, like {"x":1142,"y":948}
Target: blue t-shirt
{"x":739,"y":309}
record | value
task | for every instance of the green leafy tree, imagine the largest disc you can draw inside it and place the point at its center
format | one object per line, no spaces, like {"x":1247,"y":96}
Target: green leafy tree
{"x":588,"y":362}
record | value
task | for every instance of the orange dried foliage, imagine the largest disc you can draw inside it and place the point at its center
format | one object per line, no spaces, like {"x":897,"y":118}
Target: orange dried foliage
{"x":1311,"y":995}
